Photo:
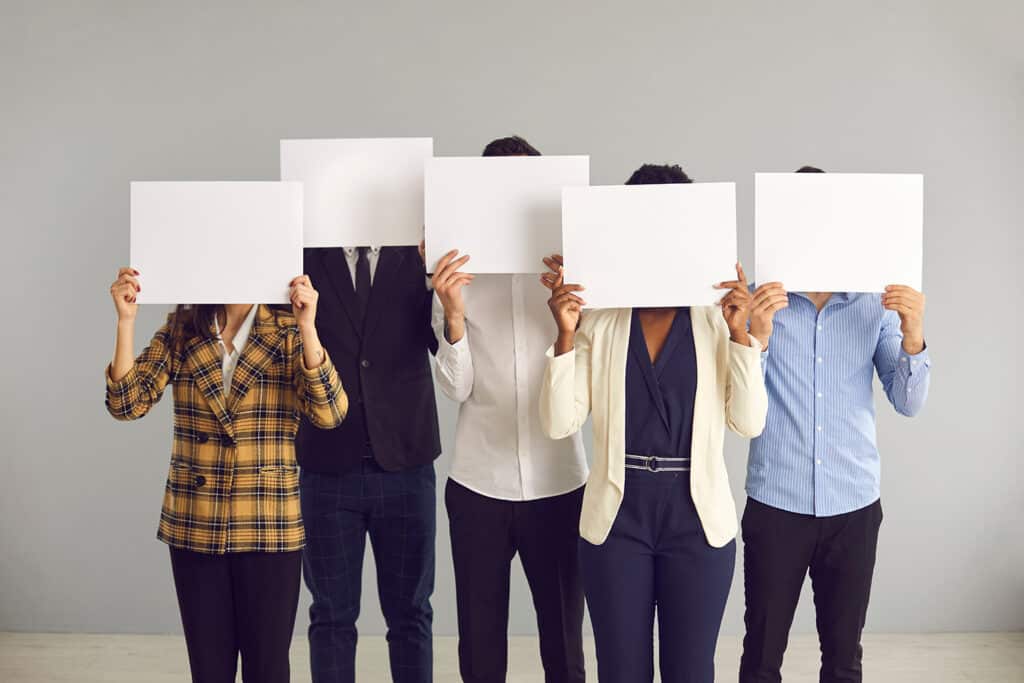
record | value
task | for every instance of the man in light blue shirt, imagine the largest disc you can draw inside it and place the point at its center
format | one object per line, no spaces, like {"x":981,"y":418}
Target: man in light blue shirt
{"x":813,"y":474}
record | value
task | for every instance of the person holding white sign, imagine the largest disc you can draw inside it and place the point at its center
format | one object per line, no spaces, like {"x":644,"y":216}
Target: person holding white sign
{"x":373,"y":477}
{"x":511,"y":489}
{"x":658,"y":521}
{"x":241,"y":374}
{"x":813,"y":475}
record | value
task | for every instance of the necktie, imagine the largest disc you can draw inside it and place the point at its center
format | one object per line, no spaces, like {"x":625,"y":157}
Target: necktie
{"x":363,"y":278}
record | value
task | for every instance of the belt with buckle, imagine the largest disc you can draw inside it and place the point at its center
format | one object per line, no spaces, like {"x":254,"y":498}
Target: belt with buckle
{"x":653,"y":463}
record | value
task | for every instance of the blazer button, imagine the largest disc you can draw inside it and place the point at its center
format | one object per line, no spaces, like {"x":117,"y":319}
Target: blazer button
{"x":200,"y":481}
{"x":229,"y":442}
{"x":365,"y":363}
{"x":202,"y":437}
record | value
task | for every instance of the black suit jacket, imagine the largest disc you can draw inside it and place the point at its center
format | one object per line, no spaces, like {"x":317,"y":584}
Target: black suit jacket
{"x":383,"y":364}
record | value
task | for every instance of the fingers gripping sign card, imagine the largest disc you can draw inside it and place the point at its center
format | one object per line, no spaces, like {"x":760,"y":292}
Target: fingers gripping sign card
{"x":650,"y":245}
{"x":359,"y":192}
{"x":216,"y":242}
{"x":504,"y":212}
{"x":839,"y":232}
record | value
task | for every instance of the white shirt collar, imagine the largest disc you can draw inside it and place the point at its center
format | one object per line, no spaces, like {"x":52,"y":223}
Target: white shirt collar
{"x":229,"y":361}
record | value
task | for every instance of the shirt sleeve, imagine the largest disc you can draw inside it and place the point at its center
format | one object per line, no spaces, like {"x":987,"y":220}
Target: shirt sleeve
{"x":904,"y":377}
{"x":454,"y":361}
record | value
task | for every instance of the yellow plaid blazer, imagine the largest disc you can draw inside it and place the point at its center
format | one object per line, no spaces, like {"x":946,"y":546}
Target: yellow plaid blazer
{"x":233,"y":483}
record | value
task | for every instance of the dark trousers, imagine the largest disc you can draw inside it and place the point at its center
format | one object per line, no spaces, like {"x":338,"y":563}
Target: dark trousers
{"x":486,"y":533}
{"x":779,"y":549}
{"x":656,"y":555}
{"x":237,"y":603}
{"x":397,"y":510}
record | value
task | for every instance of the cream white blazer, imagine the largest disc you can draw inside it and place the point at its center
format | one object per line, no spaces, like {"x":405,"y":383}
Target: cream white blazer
{"x":592,"y":378}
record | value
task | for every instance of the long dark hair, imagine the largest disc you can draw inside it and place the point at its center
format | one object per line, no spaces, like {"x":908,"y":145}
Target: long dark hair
{"x":193,"y":320}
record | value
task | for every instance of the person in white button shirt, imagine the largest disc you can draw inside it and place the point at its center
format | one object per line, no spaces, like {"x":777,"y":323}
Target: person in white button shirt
{"x":511,"y":489}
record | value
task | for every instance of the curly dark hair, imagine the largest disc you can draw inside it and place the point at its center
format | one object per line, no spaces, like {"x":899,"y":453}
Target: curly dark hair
{"x":514,"y":146}
{"x":809,"y":169}
{"x":655,"y":174}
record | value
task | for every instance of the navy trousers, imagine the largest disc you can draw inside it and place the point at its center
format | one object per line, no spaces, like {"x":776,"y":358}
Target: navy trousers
{"x":397,"y":511}
{"x":656,"y":560}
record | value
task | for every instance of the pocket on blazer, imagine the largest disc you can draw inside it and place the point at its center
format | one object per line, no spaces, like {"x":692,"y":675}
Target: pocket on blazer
{"x":193,"y":493}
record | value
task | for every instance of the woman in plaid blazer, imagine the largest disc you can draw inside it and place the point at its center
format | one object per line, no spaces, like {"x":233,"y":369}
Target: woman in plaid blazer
{"x":242,"y":376}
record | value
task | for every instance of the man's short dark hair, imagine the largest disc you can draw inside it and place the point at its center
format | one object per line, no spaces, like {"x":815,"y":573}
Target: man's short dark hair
{"x":514,"y":146}
{"x":809,"y":169}
{"x":655,"y":174}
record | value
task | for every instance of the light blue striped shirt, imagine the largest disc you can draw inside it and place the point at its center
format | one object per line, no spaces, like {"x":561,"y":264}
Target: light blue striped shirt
{"x":817,"y":454}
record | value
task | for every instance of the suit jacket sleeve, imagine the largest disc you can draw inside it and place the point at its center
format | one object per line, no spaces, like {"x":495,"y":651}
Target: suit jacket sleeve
{"x":320,"y":394}
{"x":131,"y":397}
{"x":565,"y":390}
{"x":746,"y":399}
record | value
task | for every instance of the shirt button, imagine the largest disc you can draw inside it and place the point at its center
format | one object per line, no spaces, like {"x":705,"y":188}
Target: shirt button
{"x":819,"y":328}
{"x":819,"y":394}
{"x":819,"y":428}
{"x":820,"y":359}
{"x":819,"y":461}
{"x":365,"y":363}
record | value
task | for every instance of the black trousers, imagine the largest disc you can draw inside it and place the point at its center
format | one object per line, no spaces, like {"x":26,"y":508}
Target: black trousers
{"x":779,"y":549}
{"x":237,"y":603}
{"x":486,"y":533}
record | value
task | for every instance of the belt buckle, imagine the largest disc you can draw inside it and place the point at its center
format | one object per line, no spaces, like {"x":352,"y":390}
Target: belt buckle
{"x":652,"y":464}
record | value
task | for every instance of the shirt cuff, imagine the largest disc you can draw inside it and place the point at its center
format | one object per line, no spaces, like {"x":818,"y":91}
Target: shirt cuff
{"x":458,"y":347}
{"x":915,"y":361}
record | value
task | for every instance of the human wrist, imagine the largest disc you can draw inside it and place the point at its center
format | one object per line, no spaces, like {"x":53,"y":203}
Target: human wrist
{"x":565,"y":342}
{"x":913,"y":345}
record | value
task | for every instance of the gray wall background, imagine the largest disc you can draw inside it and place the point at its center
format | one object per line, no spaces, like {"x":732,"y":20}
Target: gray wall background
{"x":95,"y":94}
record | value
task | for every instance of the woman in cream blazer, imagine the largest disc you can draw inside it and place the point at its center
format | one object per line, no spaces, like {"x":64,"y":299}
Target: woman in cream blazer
{"x":657,"y":526}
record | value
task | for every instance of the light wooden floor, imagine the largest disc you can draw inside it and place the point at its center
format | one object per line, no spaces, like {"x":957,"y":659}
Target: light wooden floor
{"x":60,"y":658}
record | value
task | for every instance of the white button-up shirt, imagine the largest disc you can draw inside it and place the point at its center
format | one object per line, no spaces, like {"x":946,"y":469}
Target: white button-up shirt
{"x":495,"y":371}
{"x":230,"y":360}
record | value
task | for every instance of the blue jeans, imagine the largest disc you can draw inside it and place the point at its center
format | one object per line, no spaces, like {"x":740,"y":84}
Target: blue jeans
{"x":656,"y":556}
{"x":397,"y":510}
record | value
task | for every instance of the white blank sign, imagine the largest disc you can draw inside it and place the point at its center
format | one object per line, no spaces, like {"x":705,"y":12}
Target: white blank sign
{"x":505,"y":212}
{"x":360,"y":192}
{"x":650,"y":245}
{"x":839,"y":232}
{"x":216,"y":242}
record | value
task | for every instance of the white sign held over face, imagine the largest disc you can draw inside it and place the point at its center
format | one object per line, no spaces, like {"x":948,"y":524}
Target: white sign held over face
{"x":839,"y":232}
{"x":650,"y":245}
{"x":505,"y":212}
{"x":359,"y":192}
{"x":216,"y":242}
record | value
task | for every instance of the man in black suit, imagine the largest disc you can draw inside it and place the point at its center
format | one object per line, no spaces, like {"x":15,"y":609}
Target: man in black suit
{"x":374,"y":475}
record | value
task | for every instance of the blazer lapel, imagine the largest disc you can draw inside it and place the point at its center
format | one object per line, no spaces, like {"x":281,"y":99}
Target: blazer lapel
{"x":707,"y":372}
{"x":261,"y":349}
{"x":388,"y":261}
{"x":340,"y":277}
{"x":617,"y":338}
{"x":206,"y":362}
